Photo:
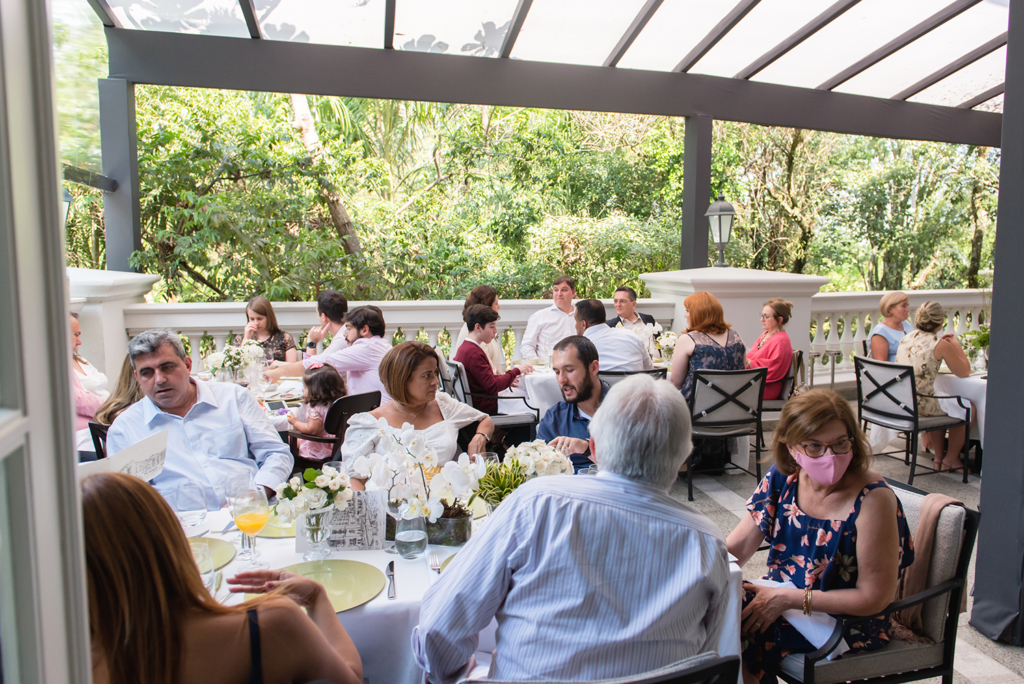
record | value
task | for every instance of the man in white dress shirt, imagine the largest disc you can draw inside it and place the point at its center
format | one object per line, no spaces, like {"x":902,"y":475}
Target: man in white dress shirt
{"x":547,"y":327}
{"x":589,"y":577}
{"x":216,"y":431}
{"x":618,"y":349}
{"x":332,"y":307}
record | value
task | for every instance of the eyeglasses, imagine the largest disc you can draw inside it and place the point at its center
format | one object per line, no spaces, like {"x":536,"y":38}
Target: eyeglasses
{"x":765,"y":317}
{"x":840,"y":446}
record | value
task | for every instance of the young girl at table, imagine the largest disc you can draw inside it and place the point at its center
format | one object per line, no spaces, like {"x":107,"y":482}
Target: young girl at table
{"x":153,"y":620}
{"x":323,"y":386}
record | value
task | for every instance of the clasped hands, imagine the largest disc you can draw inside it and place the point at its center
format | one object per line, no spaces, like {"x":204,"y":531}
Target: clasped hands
{"x":763,"y":610}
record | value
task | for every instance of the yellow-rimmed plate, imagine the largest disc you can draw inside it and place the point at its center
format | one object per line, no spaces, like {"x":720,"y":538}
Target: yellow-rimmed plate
{"x":348,"y":583}
{"x":275,"y":529}
{"x":479,"y":508}
{"x":446,"y":562}
{"x":220,"y":551}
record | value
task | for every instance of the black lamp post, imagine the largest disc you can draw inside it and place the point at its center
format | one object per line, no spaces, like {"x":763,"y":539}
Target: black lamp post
{"x":720,"y":216}
{"x":65,"y":205}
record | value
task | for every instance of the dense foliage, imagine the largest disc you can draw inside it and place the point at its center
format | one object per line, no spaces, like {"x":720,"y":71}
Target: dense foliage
{"x":238,"y":197}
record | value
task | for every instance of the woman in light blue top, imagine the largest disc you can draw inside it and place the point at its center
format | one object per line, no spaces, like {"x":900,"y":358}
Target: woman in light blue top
{"x":887,"y":333}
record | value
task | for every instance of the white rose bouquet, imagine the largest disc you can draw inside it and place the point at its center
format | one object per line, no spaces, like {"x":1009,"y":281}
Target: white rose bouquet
{"x":402,"y":471}
{"x":522,"y":463}
{"x":315,"y":490}
{"x":667,"y":344}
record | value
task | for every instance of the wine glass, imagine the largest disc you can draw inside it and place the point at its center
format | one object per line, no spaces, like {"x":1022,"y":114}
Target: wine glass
{"x":204,"y":560}
{"x":190,"y":503}
{"x":251,"y":512}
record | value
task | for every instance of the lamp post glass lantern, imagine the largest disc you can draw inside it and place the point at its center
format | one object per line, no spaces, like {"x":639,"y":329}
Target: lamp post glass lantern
{"x":720,"y":216}
{"x":65,"y":205}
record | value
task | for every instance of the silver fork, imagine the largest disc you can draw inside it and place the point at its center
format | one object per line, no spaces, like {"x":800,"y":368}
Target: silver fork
{"x":435,"y":562}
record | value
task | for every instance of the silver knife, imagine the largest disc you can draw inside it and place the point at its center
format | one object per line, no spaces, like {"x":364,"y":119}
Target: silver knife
{"x":389,"y":572}
{"x":228,"y":527}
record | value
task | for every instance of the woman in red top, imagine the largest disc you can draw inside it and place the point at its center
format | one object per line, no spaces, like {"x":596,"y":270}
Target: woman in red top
{"x":773,"y":350}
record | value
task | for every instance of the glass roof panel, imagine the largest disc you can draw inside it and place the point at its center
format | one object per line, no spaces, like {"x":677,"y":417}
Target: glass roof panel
{"x":574,"y":31}
{"x":359,"y":23}
{"x":931,"y":52}
{"x":212,"y":17}
{"x":672,"y":32}
{"x":470,"y":27}
{"x":857,"y":33}
{"x":972,"y":80}
{"x":993,"y":105}
{"x":767,"y":25}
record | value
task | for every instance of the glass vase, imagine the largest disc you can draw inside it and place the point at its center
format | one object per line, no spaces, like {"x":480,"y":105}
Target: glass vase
{"x":317,"y":532}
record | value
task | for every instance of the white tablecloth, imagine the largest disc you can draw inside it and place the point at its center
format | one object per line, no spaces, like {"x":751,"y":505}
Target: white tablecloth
{"x":972,"y":388}
{"x":382,"y":629}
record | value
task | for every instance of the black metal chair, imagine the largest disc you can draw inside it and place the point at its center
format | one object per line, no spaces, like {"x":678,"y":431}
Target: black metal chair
{"x":458,"y":387}
{"x":705,"y":668}
{"x":788,"y":383}
{"x":612,"y":377}
{"x":902,"y":661}
{"x":727,"y":404}
{"x":887,"y":396}
{"x":98,"y":432}
{"x":335,"y":423}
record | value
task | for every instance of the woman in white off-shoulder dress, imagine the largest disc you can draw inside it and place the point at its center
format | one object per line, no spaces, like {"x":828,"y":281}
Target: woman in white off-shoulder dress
{"x":410,"y":375}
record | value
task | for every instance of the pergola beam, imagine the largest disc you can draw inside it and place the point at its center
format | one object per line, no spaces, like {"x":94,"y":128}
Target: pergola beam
{"x":514,"y":27}
{"x":899,"y":42}
{"x":103,"y":11}
{"x":642,"y":17}
{"x":716,"y":34}
{"x":249,"y":12}
{"x":389,"y":25}
{"x":983,"y":97}
{"x":178,"y":59}
{"x":953,"y":67}
{"x":819,"y":22}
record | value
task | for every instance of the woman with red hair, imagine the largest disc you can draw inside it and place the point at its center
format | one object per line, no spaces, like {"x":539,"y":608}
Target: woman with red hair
{"x":709,"y":342}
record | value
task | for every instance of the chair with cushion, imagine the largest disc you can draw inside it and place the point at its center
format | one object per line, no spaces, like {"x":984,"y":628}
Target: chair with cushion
{"x":704,"y":668}
{"x":612,"y":377}
{"x":887,"y":396}
{"x":335,"y":423}
{"x":724,"y":404}
{"x":98,"y":432}
{"x":459,"y":384}
{"x":903,"y":661}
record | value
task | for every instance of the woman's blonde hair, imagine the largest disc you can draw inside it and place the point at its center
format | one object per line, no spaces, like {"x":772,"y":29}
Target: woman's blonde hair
{"x":263,"y":307}
{"x":142,"y":580}
{"x":706,"y":314}
{"x":124,"y":395}
{"x":399,"y":364}
{"x":890,"y":300}
{"x":808,"y":412}
{"x":782,"y":309}
{"x":929,"y":317}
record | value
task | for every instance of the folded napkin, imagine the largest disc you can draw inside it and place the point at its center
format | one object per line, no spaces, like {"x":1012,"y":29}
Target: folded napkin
{"x":816,"y":627}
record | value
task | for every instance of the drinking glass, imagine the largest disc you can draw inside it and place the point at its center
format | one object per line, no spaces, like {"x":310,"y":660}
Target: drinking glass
{"x":393,"y":512}
{"x":251,"y":512}
{"x":204,"y":560}
{"x":489,"y":457}
{"x":239,"y":484}
{"x":337,"y":465}
{"x":190,"y":502}
{"x":411,"y":537}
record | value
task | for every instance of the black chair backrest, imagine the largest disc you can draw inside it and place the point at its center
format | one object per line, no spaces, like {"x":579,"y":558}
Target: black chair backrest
{"x":727,"y":398}
{"x":459,"y":383}
{"x":789,"y":381}
{"x":612,"y":377}
{"x":336,"y":420}
{"x":886,"y":390}
{"x":98,"y":432}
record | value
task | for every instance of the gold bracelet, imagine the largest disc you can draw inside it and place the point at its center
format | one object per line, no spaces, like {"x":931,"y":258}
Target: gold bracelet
{"x":807,"y":601}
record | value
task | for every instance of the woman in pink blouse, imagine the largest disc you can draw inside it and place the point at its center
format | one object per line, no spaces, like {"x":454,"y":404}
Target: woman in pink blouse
{"x":773,"y":350}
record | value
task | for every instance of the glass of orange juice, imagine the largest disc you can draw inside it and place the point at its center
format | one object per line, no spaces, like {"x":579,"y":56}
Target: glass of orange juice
{"x":250,"y":510}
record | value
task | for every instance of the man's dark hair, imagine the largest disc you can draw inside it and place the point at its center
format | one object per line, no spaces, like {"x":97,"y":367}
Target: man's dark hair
{"x":628,"y":290}
{"x":332,"y":304}
{"x":585,"y":349}
{"x":591,"y":312}
{"x":567,"y":280}
{"x":479,"y":314}
{"x":363,"y":316}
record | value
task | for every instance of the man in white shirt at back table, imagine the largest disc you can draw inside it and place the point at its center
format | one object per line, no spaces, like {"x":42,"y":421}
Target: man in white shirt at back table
{"x":618,"y":349}
{"x":545,"y":328}
{"x":589,"y":577}
{"x":216,"y":432}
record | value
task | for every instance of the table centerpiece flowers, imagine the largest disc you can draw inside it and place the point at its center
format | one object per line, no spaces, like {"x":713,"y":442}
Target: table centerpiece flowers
{"x":667,"y":344}
{"x":231,"y":363}
{"x":523,"y":462}
{"x":648,"y":334}
{"x":314,"y":496}
{"x":976,"y":341}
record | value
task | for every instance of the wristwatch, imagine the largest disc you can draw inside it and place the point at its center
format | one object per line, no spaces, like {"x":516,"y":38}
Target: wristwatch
{"x":311,"y":345}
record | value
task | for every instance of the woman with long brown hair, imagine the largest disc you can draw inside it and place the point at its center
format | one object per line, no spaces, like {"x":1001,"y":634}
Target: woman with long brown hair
{"x":152,"y":620}
{"x":124,"y":395}
{"x":261,"y":325}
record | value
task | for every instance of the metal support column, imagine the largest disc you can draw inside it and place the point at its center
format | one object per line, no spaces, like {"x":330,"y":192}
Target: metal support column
{"x":696,"y":191}
{"x":1000,"y":561}
{"x":121,"y":213}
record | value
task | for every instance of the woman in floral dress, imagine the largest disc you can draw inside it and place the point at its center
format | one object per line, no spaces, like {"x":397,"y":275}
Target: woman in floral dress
{"x":837,"y":533}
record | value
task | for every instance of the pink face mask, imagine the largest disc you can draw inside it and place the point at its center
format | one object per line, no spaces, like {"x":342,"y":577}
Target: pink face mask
{"x":827,"y":469}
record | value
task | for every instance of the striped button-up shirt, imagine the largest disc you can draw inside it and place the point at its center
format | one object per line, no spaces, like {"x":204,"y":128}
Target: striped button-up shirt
{"x":589,"y":578}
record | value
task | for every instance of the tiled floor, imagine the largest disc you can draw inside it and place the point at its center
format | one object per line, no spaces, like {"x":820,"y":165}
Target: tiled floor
{"x":978,"y":660}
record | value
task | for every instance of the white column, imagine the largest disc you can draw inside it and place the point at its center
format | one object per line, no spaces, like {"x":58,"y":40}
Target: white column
{"x":846,"y":340}
{"x":194,"y":342}
{"x":860,"y":336}
{"x":219,"y":342}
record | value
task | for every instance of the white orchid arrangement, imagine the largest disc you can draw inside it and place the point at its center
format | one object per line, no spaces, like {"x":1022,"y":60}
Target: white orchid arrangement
{"x":315,"y":490}
{"x":234,"y":358}
{"x":402,"y":471}
{"x":648,"y":334}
